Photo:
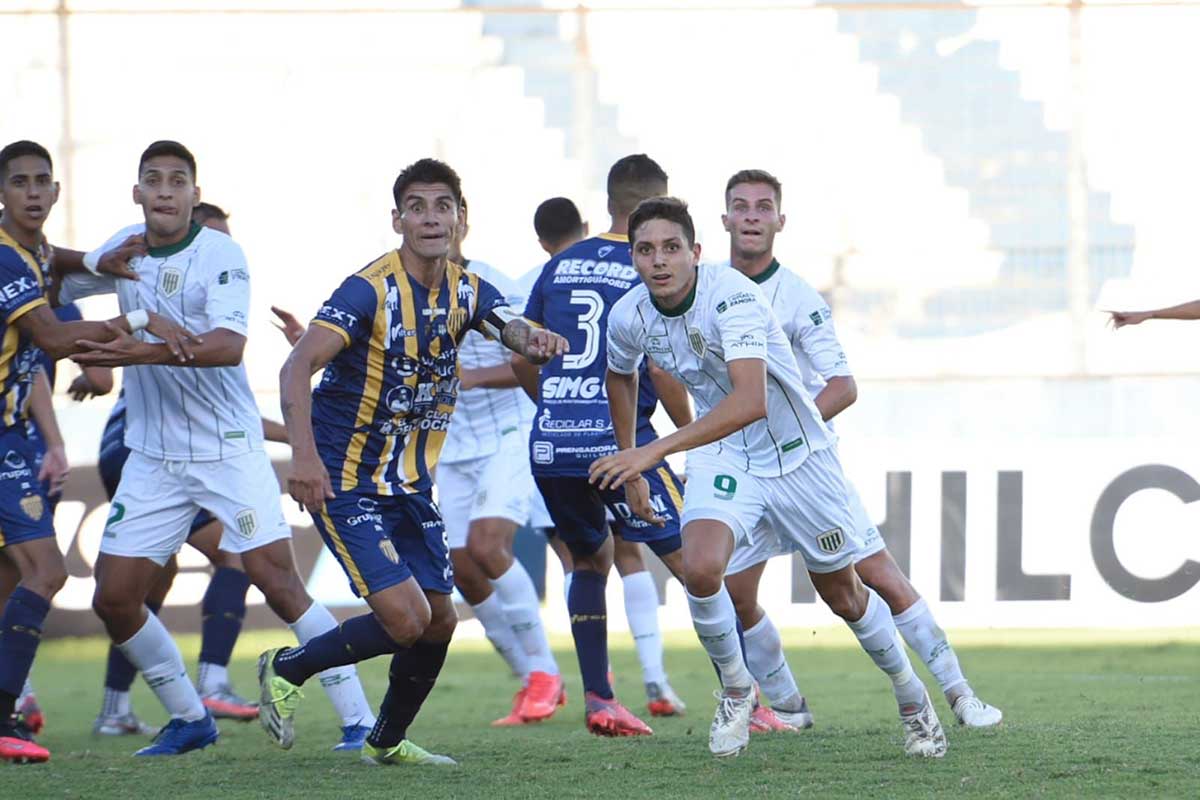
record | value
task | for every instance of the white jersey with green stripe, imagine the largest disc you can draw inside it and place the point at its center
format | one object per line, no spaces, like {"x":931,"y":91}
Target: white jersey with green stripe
{"x":725,"y":318}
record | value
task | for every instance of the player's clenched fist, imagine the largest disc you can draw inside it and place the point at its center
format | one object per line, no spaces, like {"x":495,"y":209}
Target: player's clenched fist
{"x":544,"y":345}
{"x":309,"y":483}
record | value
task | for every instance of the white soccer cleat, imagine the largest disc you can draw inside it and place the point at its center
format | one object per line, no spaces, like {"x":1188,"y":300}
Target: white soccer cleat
{"x":800,"y":720}
{"x":974,"y":713}
{"x":923,"y":734}
{"x":730,"y":732}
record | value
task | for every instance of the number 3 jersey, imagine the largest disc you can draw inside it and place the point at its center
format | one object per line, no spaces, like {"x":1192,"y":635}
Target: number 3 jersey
{"x":383,"y":406}
{"x":572,"y":297}
{"x":725,"y":318}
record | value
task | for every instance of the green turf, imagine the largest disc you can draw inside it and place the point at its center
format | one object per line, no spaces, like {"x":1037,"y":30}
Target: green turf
{"x":1084,"y":716}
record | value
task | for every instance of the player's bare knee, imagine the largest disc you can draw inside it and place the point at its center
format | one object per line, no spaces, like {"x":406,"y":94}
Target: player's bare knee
{"x":441,"y":627}
{"x":847,"y":599}
{"x":703,"y":573}
{"x":491,"y":553}
{"x":46,"y":582}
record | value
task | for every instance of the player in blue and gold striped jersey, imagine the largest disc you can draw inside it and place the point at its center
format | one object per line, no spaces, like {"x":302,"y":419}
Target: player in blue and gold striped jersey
{"x":363,"y":451}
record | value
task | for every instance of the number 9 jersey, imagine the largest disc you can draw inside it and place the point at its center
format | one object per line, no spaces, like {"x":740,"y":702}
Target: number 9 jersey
{"x":572,"y":297}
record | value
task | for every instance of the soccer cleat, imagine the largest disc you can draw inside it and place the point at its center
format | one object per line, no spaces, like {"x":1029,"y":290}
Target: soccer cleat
{"x":514,"y":717}
{"x":121,"y":725}
{"x":178,"y":737}
{"x":923,"y":734}
{"x":31,"y":713}
{"x":278,"y":699}
{"x":353,"y":737}
{"x":974,"y":713}
{"x":661,"y":701}
{"x":225,"y":704}
{"x":404,"y":753}
{"x":798,"y":720}
{"x":610,"y":718}
{"x":17,"y":746}
{"x":543,"y":695}
{"x":764,"y":720}
{"x":730,"y":731}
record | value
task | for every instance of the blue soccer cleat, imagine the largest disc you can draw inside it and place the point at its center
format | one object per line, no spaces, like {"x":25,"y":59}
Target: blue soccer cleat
{"x":353,"y":737}
{"x":179,"y":737}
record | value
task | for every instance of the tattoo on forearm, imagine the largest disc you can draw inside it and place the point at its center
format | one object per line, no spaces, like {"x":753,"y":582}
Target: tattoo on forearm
{"x":515,"y":336}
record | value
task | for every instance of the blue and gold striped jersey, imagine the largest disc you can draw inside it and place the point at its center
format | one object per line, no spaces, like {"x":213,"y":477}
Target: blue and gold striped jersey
{"x":382,"y":408}
{"x":22,"y":289}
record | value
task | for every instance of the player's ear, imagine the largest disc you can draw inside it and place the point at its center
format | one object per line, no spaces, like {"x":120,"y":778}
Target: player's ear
{"x":195,"y":196}
{"x":725,"y":222}
{"x":55,"y":193}
{"x":695,"y":253}
{"x":137,"y":194}
{"x":782,"y":220}
{"x":396,"y":221}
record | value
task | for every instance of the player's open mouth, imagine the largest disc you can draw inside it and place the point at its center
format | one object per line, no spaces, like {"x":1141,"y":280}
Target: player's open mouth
{"x":33,"y":211}
{"x":166,"y":210}
{"x":752,"y":233}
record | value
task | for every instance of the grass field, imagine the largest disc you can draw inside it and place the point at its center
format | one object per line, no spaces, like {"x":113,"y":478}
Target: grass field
{"x":1085,"y":715}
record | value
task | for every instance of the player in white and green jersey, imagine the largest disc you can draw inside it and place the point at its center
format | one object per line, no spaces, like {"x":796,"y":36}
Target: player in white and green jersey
{"x":761,"y":458}
{"x":753,"y":200}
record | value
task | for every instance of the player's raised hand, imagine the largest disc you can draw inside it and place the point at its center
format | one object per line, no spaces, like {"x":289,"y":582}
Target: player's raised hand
{"x":291,"y":328}
{"x":179,"y":340}
{"x":55,"y":469}
{"x":637,"y":494}
{"x":309,"y":483}
{"x":613,"y":472}
{"x":544,"y":345}
{"x":115,"y":262}
{"x":1120,"y":319}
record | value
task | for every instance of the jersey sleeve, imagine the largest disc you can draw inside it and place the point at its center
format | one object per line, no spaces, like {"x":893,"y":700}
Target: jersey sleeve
{"x":350,"y":310}
{"x":20,"y":291}
{"x":533,"y":305}
{"x":624,"y":352}
{"x":816,"y":337}
{"x":79,"y":285}
{"x":227,"y":298}
{"x":742,"y":318}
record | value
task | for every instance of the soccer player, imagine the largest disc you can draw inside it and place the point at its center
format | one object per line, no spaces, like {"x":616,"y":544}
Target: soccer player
{"x":364,"y":444}
{"x":559,"y":225}
{"x":1183,"y":311}
{"x":753,"y":216}
{"x":485,"y":492}
{"x":759,"y":455}
{"x":573,"y":295}
{"x":196,"y":438}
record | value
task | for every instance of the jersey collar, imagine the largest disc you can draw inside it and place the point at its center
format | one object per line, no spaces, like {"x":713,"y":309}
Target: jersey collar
{"x":178,"y":247}
{"x":766,"y":274}
{"x":684,"y":305}
{"x":613,"y":237}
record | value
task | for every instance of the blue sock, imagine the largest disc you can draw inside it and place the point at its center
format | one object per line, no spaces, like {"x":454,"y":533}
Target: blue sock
{"x":354,"y":640}
{"x":411,"y":677}
{"x":589,"y":626}
{"x":20,"y":632}
{"x":119,"y":673}
{"x":222,"y":611}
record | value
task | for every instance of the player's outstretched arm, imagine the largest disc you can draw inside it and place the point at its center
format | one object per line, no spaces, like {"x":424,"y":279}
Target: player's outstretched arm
{"x":62,"y":339}
{"x":672,"y":394}
{"x":54,"y":463}
{"x":839,"y":393}
{"x":308,"y":483}
{"x":1184,"y":311}
{"x":219,"y":347}
{"x":274,"y":431}
{"x":622,"y":391}
{"x":745,"y":403}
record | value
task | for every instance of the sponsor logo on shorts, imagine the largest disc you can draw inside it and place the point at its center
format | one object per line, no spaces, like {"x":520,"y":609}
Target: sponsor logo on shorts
{"x":831,"y":541}
{"x":247,"y":523}
{"x":543,"y":453}
{"x":368,"y":504}
{"x":696,"y":341}
{"x":388,"y":548}
{"x":14,"y":460}
{"x":33,"y":507}
{"x":170,"y":281}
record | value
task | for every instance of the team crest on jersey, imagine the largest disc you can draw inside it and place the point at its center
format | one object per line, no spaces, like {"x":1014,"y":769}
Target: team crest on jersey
{"x":456,"y":320}
{"x":388,"y":548}
{"x":696,"y":341}
{"x":170,"y":281}
{"x":247,"y":523}
{"x":831,"y":541}
{"x":33,"y":507}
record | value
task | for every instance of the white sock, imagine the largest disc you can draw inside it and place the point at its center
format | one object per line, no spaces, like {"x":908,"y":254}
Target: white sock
{"x":567,"y":576}
{"x":716,"y":625}
{"x":641,"y":609}
{"x":116,"y":704}
{"x":928,"y":641}
{"x":156,"y":656}
{"x":210,"y":678}
{"x":341,"y":684}
{"x":769,"y":666}
{"x":524,"y":611}
{"x":26,"y":689}
{"x":877,"y":634}
{"x":499,"y":632}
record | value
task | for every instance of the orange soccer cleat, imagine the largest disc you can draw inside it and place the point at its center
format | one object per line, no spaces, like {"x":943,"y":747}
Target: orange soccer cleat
{"x":17,"y":748}
{"x":764,"y":720}
{"x":543,"y":695}
{"x":610,"y":718}
{"x":514,"y":717}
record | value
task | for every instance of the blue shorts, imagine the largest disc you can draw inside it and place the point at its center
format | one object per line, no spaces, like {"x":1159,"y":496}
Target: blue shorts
{"x":25,"y":512}
{"x":383,"y":541}
{"x":114,"y":454}
{"x":39,"y":449}
{"x":577,"y":509}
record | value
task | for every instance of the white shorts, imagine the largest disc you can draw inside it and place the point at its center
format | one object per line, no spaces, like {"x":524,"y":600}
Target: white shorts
{"x":765,"y":545}
{"x":807,"y":510}
{"x":500,"y":485}
{"x":156,"y":500}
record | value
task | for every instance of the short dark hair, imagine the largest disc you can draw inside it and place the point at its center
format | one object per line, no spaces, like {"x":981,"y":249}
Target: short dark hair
{"x":633,"y":179}
{"x":207,"y":211}
{"x":427,"y":170}
{"x":755,"y":176}
{"x":24,"y":147}
{"x":167,"y":147}
{"x":556,"y":220}
{"x":671,"y":209}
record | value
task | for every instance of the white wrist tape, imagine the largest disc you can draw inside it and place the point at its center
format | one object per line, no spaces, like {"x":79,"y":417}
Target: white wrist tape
{"x":138,"y":319}
{"x":91,"y":262}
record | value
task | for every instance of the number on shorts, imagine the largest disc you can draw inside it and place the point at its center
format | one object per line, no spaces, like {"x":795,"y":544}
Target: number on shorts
{"x":725,"y":485}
